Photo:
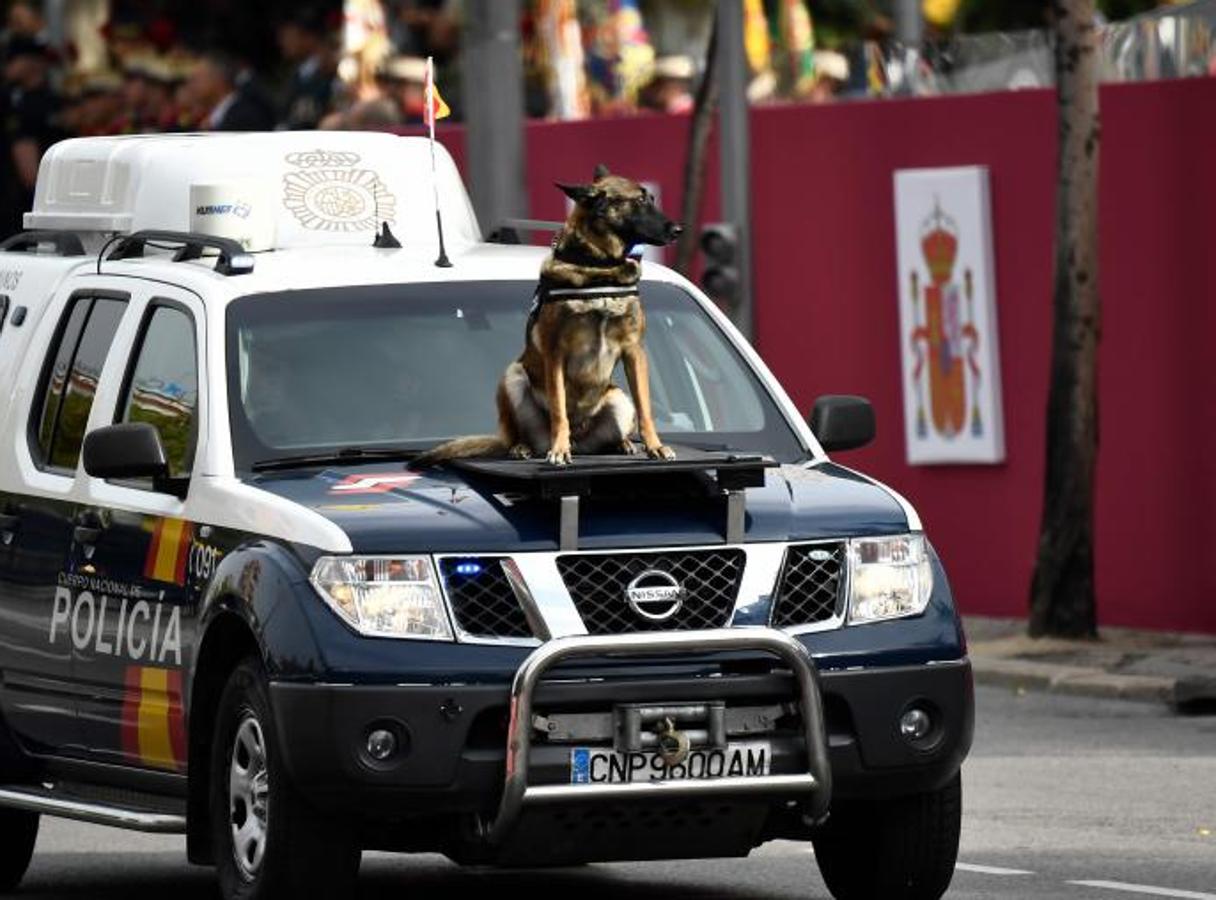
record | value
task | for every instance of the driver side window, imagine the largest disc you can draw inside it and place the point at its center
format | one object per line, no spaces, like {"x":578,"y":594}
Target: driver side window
{"x":162,"y":385}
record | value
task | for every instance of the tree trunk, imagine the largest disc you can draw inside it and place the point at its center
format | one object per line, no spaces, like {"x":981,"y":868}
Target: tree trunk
{"x":694,"y":161}
{"x":1062,"y":593}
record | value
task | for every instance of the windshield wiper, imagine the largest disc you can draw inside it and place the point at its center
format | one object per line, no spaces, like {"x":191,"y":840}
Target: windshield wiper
{"x":344,"y":456}
{"x":707,"y":447}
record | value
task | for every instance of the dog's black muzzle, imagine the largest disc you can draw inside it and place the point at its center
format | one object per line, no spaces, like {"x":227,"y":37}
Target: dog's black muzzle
{"x":656,"y":229}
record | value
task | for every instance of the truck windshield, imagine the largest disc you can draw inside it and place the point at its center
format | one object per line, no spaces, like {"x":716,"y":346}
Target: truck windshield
{"x":408,"y":366}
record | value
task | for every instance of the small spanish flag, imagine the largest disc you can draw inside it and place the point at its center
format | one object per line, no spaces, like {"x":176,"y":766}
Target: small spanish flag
{"x":436,"y":108}
{"x":168,"y":551}
{"x":153,"y":724}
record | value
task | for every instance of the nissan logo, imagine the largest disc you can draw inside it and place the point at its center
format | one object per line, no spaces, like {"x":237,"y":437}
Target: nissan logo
{"x":655,"y":595}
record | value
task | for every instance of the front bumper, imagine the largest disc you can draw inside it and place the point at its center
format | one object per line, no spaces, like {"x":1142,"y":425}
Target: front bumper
{"x":454,"y":736}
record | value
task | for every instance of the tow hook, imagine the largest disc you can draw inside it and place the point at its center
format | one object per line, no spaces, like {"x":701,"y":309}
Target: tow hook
{"x":673,"y":743}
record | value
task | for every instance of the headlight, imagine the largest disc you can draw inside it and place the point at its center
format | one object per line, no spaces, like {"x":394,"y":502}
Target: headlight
{"x":384,"y":596}
{"x":889,"y":578}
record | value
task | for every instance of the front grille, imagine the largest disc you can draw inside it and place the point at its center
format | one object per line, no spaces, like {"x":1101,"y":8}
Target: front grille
{"x":482,"y":600}
{"x":597,"y":584}
{"x":810,"y":586}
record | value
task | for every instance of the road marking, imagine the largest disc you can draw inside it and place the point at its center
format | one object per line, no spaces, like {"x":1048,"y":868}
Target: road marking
{"x":1145,"y":889}
{"x":989,"y":870}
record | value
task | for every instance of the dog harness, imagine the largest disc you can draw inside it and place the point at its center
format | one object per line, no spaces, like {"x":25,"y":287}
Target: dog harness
{"x":549,"y":294}
{"x":607,"y":292}
{"x":575,"y":253}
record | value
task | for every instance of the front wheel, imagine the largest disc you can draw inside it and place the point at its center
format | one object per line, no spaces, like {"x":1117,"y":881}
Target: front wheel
{"x":19,"y":831}
{"x":269,"y":842}
{"x":903,"y":848}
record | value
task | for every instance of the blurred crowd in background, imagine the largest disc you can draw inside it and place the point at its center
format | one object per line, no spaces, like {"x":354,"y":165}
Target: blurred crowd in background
{"x":140,"y":66}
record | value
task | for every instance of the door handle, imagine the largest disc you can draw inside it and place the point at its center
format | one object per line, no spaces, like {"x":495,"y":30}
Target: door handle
{"x":87,"y":534}
{"x":89,"y":528}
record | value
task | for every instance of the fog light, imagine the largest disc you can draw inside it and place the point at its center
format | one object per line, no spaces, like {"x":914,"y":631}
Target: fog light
{"x":381,"y":744}
{"x":915,"y":724}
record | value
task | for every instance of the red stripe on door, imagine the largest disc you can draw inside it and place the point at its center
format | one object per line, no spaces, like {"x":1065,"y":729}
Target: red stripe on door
{"x":177,"y":719}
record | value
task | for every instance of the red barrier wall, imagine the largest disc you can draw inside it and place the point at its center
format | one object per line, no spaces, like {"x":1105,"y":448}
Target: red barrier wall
{"x":827,"y":314}
{"x":647,"y":148}
{"x":827,"y":321}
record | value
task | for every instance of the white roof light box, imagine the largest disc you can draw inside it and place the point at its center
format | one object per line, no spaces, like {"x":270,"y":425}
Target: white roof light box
{"x":266,"y":191}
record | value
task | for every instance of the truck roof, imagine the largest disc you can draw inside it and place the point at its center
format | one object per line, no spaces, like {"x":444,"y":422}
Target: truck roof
{"x":307,"y":205}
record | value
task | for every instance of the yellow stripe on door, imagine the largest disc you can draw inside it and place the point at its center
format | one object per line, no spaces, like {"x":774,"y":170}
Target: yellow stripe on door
{"x":172,"y":533}
{"x":155,"y":745}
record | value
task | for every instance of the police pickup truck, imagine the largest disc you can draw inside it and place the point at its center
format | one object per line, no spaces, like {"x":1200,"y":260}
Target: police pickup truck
{"x":230,"y":609}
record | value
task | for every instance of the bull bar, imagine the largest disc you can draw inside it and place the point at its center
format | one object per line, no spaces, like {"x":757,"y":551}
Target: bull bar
{"x":817,"y":781}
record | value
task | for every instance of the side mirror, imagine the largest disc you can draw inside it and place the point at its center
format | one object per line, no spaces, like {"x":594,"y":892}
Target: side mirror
{"x":842,"y":421}
{"x":129,"y":450}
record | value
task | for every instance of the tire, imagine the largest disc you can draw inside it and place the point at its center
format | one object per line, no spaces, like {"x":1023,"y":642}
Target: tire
{"x":269,"y":842}
{"x":20,"y":830}
{"x":903,"y":848}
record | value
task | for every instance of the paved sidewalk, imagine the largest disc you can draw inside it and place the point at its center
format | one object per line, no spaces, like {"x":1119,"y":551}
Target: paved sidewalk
{"x":1163,"y":667}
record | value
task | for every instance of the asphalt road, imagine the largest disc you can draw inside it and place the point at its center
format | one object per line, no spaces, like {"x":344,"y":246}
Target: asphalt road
{"x":1064,"y":797}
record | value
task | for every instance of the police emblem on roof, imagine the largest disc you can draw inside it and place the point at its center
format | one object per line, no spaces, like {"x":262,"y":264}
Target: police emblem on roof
{"x":329,"y":191}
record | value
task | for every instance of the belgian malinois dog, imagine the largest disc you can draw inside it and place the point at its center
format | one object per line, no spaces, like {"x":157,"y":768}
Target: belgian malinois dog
{"x":557,"y":398}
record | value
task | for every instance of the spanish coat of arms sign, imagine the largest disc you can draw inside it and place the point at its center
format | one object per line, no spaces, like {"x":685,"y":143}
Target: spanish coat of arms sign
{"x":947,"y":313}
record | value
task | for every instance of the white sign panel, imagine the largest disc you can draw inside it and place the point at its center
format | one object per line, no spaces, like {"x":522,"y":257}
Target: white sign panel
{"x":947,"y":316}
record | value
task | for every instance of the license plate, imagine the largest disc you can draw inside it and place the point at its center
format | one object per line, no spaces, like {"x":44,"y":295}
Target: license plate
{"x":603,"y":765}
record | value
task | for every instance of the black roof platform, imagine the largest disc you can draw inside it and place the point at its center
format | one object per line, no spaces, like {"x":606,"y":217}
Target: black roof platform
{"x":727,"y":473}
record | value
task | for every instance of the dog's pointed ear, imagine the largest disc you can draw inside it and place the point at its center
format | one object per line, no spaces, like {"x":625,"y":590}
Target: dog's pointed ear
{"x":601,"y":171}
{"x":581,"y":194}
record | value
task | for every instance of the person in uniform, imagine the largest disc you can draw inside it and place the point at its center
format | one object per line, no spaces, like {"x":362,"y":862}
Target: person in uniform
{"x":670,"y":87}
{"x":402,"y":79}
{"x":149,"y":83}
{"x":231,"y":95}
{"x":100,"y":107}
{"x":29,"y":111}
{"x":304,"y":43}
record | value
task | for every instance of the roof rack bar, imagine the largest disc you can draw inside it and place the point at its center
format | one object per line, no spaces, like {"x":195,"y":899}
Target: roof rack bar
{"x":532,"y":224}
{"x":65,"y":243}
{"x":189,"y":251}
{"x":234,"y":259}
{"x":508,"y":230}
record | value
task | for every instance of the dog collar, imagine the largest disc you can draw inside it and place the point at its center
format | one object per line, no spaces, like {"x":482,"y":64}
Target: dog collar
{"x":574,"y":250}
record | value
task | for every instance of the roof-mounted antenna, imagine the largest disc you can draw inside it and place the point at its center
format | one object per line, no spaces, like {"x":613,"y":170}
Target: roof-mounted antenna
{"x":442,"y":260}
{"x":386,"y":240}
{"x":431,"y":112}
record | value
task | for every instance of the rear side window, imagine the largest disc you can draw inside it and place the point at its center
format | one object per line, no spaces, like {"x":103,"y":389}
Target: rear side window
{"x":162,"y":387}
{"x":70,"y":383}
